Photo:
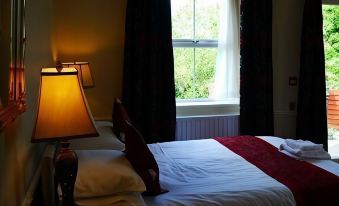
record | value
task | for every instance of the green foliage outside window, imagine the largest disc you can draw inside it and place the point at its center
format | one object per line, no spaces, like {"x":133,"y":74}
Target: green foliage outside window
{"x":331,"y":44}
{"x":194,"y":67}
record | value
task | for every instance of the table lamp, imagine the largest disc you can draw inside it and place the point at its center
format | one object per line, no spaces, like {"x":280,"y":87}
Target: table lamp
{"x":84,"y":73}
{"x":63,"y":114}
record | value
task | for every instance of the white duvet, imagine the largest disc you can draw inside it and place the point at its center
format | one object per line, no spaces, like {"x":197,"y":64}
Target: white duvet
{"x":204,"y":172}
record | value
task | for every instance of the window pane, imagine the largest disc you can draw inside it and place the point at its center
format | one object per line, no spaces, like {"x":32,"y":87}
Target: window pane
{"x":205,"y":59}
{"x":207,"y":19}
{"x":182,"y":19}
{"x":331,"y":44}
{"x":183,"y":67}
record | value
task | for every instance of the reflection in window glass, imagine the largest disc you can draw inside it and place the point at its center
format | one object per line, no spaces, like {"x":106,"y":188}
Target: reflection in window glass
{"x":182,"y":19}
{"x":207,"y":19}
{"x":183,"y":64}
{"x":205,"y":61}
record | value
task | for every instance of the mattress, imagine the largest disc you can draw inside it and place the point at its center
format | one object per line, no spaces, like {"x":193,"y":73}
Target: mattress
{"x":204,"y":172}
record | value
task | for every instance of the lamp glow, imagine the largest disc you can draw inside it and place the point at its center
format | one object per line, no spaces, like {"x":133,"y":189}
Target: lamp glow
{"x":84,"y":70}
{"x":63,"y":112}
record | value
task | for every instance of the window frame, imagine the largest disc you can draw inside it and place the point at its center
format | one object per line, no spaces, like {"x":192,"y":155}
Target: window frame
{"x":194,"y":43}
{"x":201,"y":106}
{"x":330,"y":2}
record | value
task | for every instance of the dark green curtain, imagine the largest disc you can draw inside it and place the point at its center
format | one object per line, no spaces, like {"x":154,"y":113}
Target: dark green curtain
{"x":311,"y":114}
{"x":148,"y":77}
{"x":256,"y":73}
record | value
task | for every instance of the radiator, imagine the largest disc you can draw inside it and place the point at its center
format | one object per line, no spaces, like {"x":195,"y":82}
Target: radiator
{"x":202,"y":127}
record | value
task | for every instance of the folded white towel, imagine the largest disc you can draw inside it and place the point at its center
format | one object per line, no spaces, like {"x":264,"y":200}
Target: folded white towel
{"x":304,"y":145}
{"x":301,"y":154}
{"x":291,"y":155}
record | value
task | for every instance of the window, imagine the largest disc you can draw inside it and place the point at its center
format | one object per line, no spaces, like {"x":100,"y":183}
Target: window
{"x":199,"y":46}
{"x":331,"y":46}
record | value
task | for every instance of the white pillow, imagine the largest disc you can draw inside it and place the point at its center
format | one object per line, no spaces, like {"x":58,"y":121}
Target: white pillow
{"x":106,"y":139}
{"x":105,"y":172}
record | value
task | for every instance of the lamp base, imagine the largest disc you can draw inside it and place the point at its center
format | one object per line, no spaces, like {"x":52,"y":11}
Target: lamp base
{"x":66,"y":168}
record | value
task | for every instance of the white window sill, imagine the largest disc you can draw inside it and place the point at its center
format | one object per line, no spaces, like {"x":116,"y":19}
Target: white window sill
{"x":204,"y":107}
{"x":331,"y":2}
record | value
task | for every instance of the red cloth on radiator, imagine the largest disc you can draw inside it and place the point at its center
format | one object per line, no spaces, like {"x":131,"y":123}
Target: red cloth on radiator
{"x":310,"y":185}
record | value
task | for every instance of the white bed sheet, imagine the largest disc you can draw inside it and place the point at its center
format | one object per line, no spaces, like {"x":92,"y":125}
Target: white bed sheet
{"x":204,"y":172}
{"x":124,"y":199}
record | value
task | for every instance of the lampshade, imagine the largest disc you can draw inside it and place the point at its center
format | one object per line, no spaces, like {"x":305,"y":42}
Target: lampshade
{"x":84,"y":73}
{"x":62,"y":109}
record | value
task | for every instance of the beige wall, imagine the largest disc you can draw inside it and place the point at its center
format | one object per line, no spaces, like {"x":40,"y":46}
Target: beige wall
{"x":286,"y":33}
{"x":66,"y":30}
{"x":18,"y":157}
{"x":93,"y":31}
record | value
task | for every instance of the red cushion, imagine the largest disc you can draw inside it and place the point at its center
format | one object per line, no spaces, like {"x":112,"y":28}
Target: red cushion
{"x":119,"y":118}
{"x":142,"y":160}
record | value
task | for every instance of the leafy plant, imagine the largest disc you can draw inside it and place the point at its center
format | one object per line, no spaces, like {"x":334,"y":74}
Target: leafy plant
{"x":331,"y":44}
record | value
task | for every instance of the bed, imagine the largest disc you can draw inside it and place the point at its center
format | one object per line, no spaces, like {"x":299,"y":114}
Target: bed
{"x":193,"y":173}
{"x":204,"y":172}
{"x":243,"y":170}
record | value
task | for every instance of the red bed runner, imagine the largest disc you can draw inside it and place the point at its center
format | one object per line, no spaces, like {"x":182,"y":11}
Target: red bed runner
{"x":309,"y":184}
